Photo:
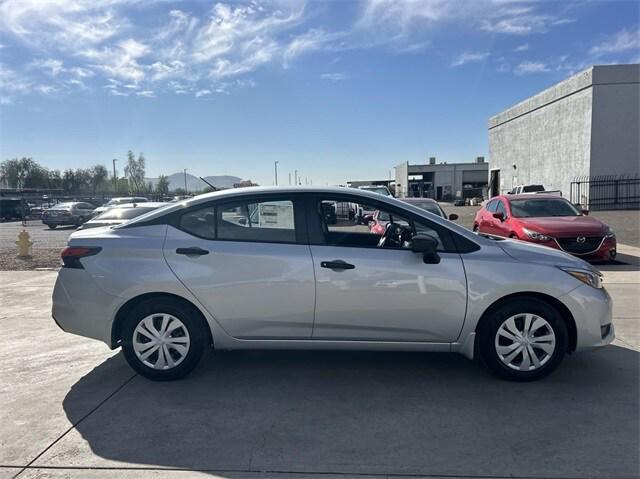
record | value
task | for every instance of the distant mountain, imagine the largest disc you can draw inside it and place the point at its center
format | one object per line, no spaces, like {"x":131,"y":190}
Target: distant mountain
{"x":194,"y":183}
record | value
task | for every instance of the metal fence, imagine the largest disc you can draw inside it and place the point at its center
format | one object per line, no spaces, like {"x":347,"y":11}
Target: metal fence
{"x":614,"y":192}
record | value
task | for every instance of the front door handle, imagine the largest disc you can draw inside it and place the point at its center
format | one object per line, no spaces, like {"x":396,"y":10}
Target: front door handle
{"x":336,"y":264}
{"x":193,"y":251}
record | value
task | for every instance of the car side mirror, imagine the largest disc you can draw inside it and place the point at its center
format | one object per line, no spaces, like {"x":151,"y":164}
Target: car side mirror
{"x":585,"y":212}
{"x":427,"y":245}
{"x":368,"y":218}
{"x":453,"y":217}
{"x":499,"y":215}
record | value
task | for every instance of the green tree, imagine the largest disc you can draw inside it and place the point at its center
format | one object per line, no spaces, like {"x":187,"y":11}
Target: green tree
{"x":99,"y":175}
{"x":135,"y":171}
{"x":19,"y":172}
{"x":162,"y":187}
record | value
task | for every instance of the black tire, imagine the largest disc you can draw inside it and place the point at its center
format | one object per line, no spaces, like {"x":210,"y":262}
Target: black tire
{"x":488,"y":330}
{"x":52,"y":227}
{"x":476,"y":228}
{"x":80,"y":221}
{"x":191,"y":319}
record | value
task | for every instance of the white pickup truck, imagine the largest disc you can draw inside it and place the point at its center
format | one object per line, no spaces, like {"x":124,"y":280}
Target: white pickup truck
{"x":521,"y":189}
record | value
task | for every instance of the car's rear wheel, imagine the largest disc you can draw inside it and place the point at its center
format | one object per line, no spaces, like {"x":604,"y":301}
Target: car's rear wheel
{"x":523,"y":340}
{"x":52,"y":227}
{"x":163,"y":339}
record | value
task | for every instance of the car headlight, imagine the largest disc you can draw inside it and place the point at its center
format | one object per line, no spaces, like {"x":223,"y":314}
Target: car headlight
{"x":534,"y":235}
{"x":592,"y":278}
{"x":608,"y":233}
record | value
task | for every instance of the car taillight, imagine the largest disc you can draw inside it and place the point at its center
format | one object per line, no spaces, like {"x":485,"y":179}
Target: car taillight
{"x":71,"y":255}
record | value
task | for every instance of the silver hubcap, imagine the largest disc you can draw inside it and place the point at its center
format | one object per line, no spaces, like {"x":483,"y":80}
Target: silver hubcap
{"x":525,"y":342}
{"x":161,"y":341}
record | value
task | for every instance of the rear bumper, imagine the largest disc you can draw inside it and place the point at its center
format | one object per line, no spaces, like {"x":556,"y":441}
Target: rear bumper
{"x":80,"y":307}
{"x":71,"y":220}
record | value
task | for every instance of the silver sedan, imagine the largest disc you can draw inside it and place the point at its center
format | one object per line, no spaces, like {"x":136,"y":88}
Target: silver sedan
{"x":289,"y":268}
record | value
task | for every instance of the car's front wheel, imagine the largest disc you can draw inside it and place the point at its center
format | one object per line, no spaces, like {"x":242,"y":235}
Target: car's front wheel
{"x":164,"y":339}
{"x":523,"y":340}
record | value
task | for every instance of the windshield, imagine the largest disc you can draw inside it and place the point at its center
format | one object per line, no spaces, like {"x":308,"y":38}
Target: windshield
{"x":122,"y":213}
{"x":537,"y":208}
{"x":430,"y":207}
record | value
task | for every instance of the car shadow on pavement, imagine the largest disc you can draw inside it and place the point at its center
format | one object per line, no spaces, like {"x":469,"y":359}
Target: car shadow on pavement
{"x":365,"y":412}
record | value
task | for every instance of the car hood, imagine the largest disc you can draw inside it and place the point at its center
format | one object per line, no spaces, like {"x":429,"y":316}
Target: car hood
{"x":562,"y":226}
{"x":533,"y":253}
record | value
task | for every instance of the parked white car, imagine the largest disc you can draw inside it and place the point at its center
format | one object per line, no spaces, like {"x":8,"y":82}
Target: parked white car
{"x":119,"y":201}
{"x":262,"y":268}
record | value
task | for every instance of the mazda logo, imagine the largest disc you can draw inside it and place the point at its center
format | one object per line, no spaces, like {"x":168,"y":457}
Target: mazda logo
{"x":581,"y":239}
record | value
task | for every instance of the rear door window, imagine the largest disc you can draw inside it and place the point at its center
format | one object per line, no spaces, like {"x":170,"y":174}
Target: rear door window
{"x":267,"y":221}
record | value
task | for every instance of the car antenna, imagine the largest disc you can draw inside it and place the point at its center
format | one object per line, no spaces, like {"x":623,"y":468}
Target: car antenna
{"x":214,"y":188}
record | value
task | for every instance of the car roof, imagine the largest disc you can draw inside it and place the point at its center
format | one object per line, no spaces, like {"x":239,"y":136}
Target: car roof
{"x":529,"y":196}
{"x":420,"y":200}
{"x":142,"y":204}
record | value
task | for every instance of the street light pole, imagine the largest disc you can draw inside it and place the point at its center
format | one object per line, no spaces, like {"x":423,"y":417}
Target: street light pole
{"x":185,"y":181}
{"x":115,"y":177}
{"x":275,"y":164}
{"x":295,"y":177}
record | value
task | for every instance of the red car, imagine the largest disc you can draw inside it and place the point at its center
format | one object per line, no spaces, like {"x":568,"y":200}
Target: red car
{"x":547,"y":220}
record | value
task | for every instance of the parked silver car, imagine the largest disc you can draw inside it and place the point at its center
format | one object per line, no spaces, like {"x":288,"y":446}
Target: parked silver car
{"x":64,"y":214}
{"x":261,"y":268}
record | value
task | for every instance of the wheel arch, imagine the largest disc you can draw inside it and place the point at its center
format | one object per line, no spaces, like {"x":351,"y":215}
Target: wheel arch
{"x":126,"y":308}
{"x":554,"y":302}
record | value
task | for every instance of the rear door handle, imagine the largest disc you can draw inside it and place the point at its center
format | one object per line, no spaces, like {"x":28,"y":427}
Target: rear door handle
{"x":336,"y":264}
{"x":193,"y":251}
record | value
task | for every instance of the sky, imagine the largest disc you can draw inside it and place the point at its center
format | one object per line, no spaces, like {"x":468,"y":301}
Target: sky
{"x":338,"y":90}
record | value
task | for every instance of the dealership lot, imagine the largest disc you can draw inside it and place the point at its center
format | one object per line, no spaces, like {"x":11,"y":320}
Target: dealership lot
{"x":71,"y":407}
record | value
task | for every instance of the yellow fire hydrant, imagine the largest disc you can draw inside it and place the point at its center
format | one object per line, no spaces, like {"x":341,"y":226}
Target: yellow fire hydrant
{"x":24,"y":245}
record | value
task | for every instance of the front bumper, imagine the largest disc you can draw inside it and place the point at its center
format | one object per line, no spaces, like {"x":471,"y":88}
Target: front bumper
{"x":606,"y":251}
{"x":591,"y":309}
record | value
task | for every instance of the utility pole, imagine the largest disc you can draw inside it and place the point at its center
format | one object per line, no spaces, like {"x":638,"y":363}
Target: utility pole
{"x":275,"y":164}
{"x":115,"y":177}
{"x":289,"y":178}
{"x":295,"y":177}
{"x":185,"y":181}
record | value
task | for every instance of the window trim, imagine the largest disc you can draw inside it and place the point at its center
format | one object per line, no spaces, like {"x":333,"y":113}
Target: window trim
{"x":316,"y":234}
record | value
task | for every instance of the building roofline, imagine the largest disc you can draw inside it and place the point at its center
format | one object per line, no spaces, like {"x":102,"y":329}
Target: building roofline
{"x":594,"y":75}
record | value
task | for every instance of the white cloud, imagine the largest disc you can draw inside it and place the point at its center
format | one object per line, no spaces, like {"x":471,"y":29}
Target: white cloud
{"x":469,"y":57}
{"x":313,"y":40}
{"x":120,"y":61}
{"x":521,"y":48}
{"x":621,"y":41}
{"x":146,"y":93}
{"x":528,"y":67}
{"x":335,"y":76}
{"x":203,"y":92}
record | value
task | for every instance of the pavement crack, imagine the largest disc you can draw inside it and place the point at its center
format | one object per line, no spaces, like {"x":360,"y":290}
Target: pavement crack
{"x":73,"y":426}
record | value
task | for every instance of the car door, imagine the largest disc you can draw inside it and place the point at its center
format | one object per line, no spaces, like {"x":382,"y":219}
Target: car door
{"x":364,"y":292}
{"x":248,"y":262}
{"x":84,"y":210}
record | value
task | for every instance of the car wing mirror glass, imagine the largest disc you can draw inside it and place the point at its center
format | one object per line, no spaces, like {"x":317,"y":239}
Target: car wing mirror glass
{"x":499,"y":215}
{"x":453,"y":217}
